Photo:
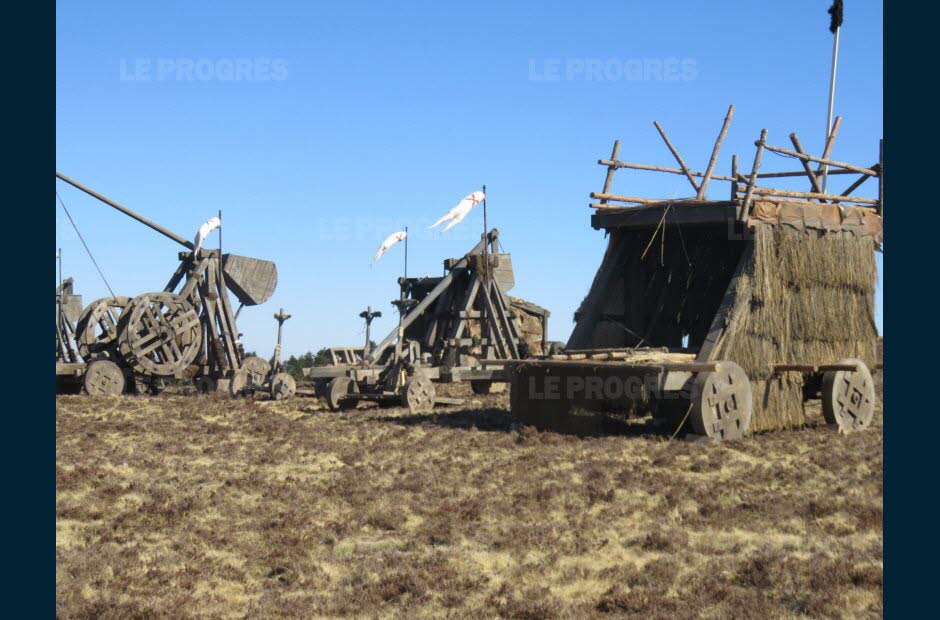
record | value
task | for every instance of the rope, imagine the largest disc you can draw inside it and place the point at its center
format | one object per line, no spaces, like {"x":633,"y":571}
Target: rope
{"x":682,"y":423}
{"x":82,"y":239}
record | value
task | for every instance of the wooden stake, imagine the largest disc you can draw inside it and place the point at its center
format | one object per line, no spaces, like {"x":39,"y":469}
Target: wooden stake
{"x":608,"y":181}
{"x":675,"y":153}
{"x":746,"y":205}
{"x":734,"y":176}
{"x":814,"y":183}
{"x":714,"y":158}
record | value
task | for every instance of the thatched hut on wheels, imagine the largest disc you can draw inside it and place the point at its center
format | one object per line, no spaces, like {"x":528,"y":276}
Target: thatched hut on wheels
{"x":722,"y":317}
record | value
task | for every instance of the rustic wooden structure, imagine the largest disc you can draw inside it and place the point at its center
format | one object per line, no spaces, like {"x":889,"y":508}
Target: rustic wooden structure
{"x":754,"y":303}
{"x":462,"y":326}
{"x":187,"y":330}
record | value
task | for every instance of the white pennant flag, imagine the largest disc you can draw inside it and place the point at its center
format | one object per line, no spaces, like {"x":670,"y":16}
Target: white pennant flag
{"x":391,"y":240}
{"x":458,"y":213}
{"x":207,"y":227}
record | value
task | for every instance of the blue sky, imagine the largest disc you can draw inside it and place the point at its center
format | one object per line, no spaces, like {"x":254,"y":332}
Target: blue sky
{"x":319,"y":128}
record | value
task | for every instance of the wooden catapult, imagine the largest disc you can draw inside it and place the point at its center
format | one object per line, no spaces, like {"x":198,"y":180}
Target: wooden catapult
{"x":186,"y":331}
{"x":462,"y":326}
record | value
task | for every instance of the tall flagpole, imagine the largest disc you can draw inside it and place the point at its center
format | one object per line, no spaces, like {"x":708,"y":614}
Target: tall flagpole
{"x":835,"y":24}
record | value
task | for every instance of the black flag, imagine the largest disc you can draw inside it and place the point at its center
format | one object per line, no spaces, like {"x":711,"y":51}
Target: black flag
{"x":835,"y":14}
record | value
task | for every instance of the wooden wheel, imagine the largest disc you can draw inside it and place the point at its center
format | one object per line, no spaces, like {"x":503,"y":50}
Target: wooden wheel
{"x":160,"y":334}
{"x":848,"y":397}
{"x":338,"y":393}
{"x":103,"y":378}
{"x":240,"y":383}
{"x":419,"y":393}
{"x":721,"y":402}
{"x":258,"y":370}
{"x":283,"y":386}
{"x":96,"y":331}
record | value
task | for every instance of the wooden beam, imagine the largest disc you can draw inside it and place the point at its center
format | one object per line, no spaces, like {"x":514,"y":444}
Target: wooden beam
{"x":769,"y":191}
{"x":715,"y":150}
{"x":814,"y":182}
{"x":608,"y":181}
{"x":746,"y":205}
{"x":821,"y":160}
{"x":675,"y":153}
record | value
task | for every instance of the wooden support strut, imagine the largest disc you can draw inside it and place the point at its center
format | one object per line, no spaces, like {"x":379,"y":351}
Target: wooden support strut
{"x":828,"y":149}
{"x":820,"y":160}
{"x":609,"y":179}
{"x":785,"y":193}
{"x":746,"y":205}
{"x":675,"y":153}
{"x":814,"y":182}
{"x":714,"y":158}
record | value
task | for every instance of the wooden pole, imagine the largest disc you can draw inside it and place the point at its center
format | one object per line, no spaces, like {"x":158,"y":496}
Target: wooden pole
{"x":675,"y":153}
{"x":854,"y":186}
{"x":814,"y":183}
{"x":714,"y":158}
{"x":717,"y":177}
{"x":830,"y":141}
{"x":821,"y":160}
{"x":734,"y":176}
{"x":636,"y":199}
{"x":746,"y":205}
{"x":768,"y":191}
{"x":609,"y":180}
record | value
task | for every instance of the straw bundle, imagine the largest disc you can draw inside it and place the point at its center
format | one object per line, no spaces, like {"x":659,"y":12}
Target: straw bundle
{"x":804,"y":297}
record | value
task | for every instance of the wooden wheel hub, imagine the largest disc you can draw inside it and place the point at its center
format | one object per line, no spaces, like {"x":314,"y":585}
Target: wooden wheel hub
{"x":848,"y":397}
{"x":721,"y":402}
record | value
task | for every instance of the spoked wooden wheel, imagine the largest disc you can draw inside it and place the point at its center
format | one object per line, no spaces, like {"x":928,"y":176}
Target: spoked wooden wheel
{"x":96,"y":331}
{"x":721,"y":402}
{"x":418,"y":393}
{"x":848,"y":397}
{"x":103,"y":378}
{"x":160,"y":334}
{"x":283,"y":386}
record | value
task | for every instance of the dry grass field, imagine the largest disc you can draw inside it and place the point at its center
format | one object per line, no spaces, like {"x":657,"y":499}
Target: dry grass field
{"x":181,"y":507}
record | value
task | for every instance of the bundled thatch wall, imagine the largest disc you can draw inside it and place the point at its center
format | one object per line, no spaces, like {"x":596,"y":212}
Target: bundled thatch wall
{"x":804,"y":296}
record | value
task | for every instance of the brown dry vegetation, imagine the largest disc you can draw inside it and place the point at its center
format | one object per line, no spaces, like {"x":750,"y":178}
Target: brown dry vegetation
{"x":197,"y":506}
